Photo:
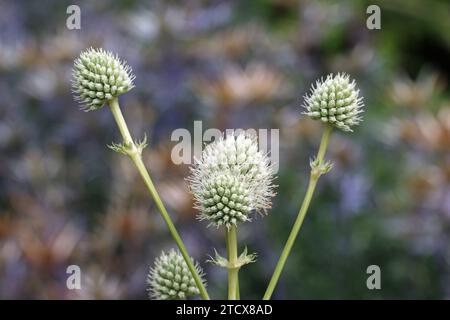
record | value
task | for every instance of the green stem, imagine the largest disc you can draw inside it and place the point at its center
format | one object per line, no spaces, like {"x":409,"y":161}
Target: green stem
{"x":137,"y":160}
{"x":115,"y":109}
{"x":314,"y":177}
{"x":233,"y":269}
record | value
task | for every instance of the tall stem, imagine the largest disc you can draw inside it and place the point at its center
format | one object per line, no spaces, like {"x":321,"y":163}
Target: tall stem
{"x":137,"y":160}
{"x":233,"y":269}
{"x":314,"y":177}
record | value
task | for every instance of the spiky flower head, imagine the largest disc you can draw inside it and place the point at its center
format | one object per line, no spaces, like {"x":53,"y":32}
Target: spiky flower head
{"x":171,"y":279}
{"x":231,"y":180}
{"x":336,"y":101}
{"x":99,"y":76}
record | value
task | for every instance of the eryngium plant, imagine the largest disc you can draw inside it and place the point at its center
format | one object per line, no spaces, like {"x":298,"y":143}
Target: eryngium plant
{"x":231,"y":180}
{"x":170,"y":278}
{"x":98,"y":77}
{"x":335,"y":101}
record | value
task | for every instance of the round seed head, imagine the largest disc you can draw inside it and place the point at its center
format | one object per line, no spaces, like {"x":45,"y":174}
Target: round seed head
{"x":336,"y":101}
{"x":99,"y":76}
{"x":171,"y":279}
{"x":231,"y":180}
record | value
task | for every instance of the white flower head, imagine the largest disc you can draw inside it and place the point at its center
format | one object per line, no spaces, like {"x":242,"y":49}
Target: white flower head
{"x":171,"y":279}
{"x":99,"y":76}
{"x":231,"y":180}
{"x":336,"y":101}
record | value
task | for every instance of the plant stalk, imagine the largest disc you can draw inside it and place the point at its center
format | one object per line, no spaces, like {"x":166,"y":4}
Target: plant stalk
{"x":137,"y":160}
{"x":233,"y":269}
{"x":314,"y":177}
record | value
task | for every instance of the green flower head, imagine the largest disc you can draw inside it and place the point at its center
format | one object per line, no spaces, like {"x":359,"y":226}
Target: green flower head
{"x":335,"y":101}
{"x":171,"y":279}
{"x":98,"y":77}
{"x":231,"y":180}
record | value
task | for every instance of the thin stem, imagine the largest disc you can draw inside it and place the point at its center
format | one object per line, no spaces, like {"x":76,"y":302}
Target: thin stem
{"x":115,"y":109}
{"x":324,"y":143}
{"x":233,"y":269}
{"x":137,"y":160}
{"x":314,"y":177}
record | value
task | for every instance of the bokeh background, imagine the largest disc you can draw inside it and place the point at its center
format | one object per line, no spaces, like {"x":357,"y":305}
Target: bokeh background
{"x":65,"y":198}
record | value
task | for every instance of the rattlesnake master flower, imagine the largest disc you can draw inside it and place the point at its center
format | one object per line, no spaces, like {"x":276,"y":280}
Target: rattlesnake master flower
{"x":170,"y":278}
{"x":231,"y":180}
{"x":99,"y":76}
{"x":335,"y":101}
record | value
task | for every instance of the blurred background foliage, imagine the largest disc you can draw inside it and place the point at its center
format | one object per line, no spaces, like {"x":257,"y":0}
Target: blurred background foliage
{"x":66,"y":199}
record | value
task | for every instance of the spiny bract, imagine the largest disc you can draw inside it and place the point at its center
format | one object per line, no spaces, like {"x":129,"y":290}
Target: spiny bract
{"x":99,"y":76}
{"x":231,"y":180}
{"x":171,"y":279}
{"x":335,"y":101}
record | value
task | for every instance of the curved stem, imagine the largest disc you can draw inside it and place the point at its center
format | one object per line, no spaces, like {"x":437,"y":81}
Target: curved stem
{"x":233,"y":269}
{"x":314,"y":177}
{"x":137,"y":160}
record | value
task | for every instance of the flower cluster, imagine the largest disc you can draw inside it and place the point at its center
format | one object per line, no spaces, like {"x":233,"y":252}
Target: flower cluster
{"x":232,"y":179}
{"x":335,"y":101}
{"x":99,"y":76}
{"x":170,"y":278}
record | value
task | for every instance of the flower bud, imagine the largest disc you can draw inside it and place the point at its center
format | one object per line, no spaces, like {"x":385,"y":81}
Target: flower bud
{"x":231,"y":180}
{"x":99,"y":76}
{"x":171,"y":279}
{"x":335,"y":101}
